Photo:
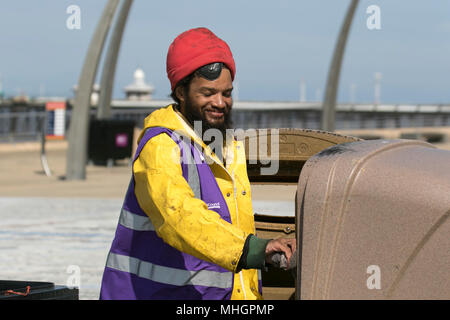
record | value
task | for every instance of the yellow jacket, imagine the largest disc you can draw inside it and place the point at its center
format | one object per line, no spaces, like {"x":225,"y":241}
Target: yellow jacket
{"x":183,"y":221}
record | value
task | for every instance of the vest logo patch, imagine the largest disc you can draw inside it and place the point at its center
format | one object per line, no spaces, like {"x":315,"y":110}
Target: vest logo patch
{"x":215,"y":205}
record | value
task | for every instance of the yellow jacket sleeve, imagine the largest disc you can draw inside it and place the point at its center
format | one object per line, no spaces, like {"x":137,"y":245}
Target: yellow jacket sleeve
{"x":181,"y":220}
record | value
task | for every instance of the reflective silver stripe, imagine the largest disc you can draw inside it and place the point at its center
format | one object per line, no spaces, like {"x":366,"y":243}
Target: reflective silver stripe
{"x":193,"y":177}
{"x":135,"y":222}
{"x":141,"y":223}
{"x":167,"y":275}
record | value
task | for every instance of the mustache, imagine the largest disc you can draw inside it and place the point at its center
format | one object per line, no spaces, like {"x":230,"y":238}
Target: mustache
{"x":219,"y":110}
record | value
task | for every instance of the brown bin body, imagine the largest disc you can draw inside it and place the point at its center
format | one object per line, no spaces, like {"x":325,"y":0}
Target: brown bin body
{"x":294,"y":148}
{"x":374,"y":210}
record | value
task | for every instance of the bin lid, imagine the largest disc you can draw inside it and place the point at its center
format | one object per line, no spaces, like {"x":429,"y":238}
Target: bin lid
{"x":290,"y":147}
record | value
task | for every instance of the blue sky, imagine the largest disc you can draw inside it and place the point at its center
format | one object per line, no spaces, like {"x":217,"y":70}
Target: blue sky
{"x":275,"y":45}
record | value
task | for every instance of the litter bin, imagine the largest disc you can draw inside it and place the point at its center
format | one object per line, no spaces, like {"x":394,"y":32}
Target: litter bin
{"x":110,"y":140}
{"x":372,"y":217}
{"x":32,"y":290}
{"x":293,"y":147}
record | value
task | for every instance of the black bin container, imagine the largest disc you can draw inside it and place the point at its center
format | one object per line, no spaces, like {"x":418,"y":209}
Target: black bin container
{"x":32,"y":290}
{"x":110,"y":140}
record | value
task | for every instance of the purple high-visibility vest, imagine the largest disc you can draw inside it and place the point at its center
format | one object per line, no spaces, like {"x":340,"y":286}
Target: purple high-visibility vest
{"x":140,"y":265}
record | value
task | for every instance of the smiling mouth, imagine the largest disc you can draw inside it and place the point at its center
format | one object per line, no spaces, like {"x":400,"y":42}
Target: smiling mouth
{"x":215,"y":113}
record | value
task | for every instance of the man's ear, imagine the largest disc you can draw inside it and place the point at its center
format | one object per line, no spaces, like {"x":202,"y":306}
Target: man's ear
{"x":180,"y":92}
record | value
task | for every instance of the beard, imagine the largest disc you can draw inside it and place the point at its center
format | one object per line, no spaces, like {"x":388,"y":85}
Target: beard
{"x":193,"y":114}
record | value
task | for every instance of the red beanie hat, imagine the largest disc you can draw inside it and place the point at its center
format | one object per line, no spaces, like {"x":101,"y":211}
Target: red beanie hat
{"x":193,"y":49}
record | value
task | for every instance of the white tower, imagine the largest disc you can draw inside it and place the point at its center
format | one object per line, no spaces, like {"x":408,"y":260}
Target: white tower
{"x":139,"y":90}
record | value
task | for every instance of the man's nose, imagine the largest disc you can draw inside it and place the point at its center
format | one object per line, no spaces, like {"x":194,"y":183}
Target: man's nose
{"x":219,"y":101}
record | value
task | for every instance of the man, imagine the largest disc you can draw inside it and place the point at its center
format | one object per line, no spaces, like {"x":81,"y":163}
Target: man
{"x":186,"y":230}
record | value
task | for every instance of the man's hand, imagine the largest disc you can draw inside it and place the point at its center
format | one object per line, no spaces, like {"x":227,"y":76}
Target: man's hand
{"x":282,"y":245}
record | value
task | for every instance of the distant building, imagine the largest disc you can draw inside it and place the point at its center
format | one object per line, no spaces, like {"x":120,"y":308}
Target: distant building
{"x":139,"y":90}
{"x":20,"y":99}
